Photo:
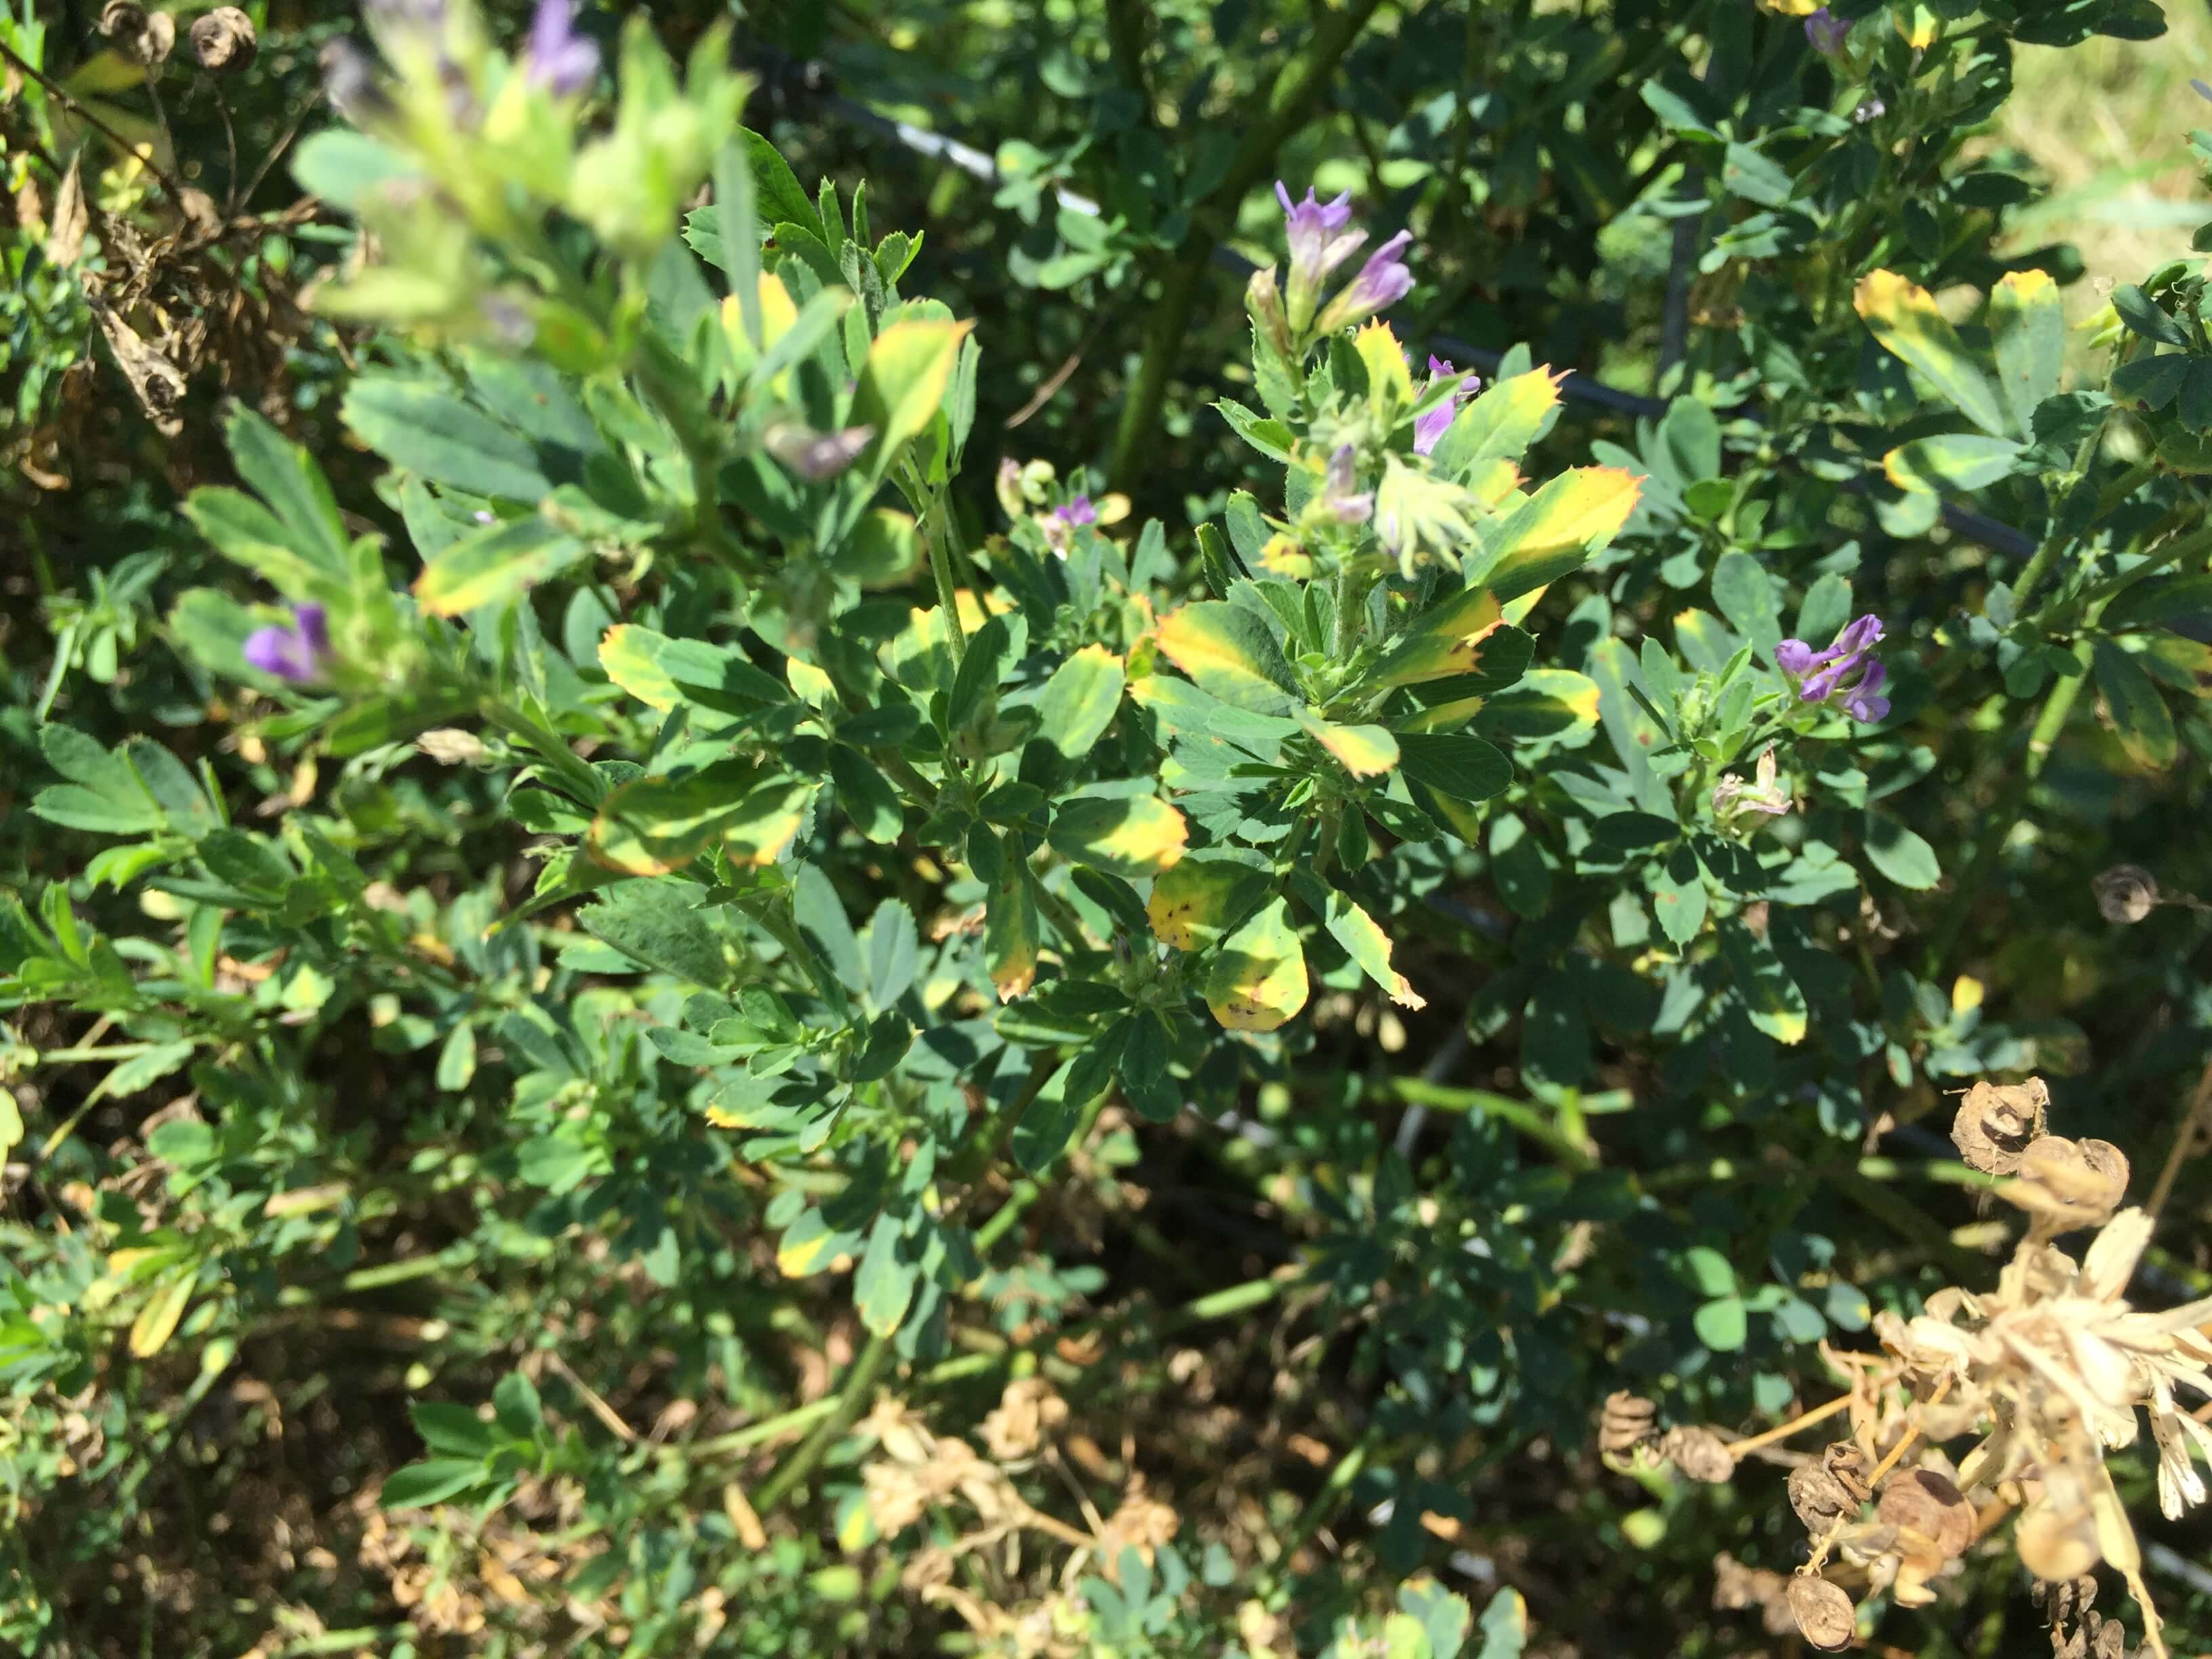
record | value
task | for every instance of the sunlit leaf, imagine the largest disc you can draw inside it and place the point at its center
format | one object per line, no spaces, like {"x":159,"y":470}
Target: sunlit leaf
{"x":1132,"y":835}
{"x":1230,"y":653}
{"x":1259,"y":979}
{"x":1903,"y":319}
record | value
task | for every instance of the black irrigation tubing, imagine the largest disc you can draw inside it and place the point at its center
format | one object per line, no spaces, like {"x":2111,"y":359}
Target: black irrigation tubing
{"x":794,"y":81}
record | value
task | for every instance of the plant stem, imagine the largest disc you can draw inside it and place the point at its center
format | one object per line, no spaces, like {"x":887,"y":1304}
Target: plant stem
{"x":817,"y":1445}
{"x":948,"y":588}
{"x":1783,"y":1431}
{"x":1266,"y":120}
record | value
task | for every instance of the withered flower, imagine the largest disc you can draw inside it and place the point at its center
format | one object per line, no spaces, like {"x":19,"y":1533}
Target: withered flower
{"x":223,"y":40}
{"x":145,"y":38}
{"x":1831,"y":1491}
{"x":1996,"y":1121}
{"x":1698,"y":1453}
{"x":2065,"y":1184}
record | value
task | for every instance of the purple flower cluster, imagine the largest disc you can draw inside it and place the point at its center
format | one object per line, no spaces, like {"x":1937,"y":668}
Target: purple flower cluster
{"x":1845,"y":673}
{"x":1060,"y":523}
{"x":1430,"y":428}
{"x":1319,"y":244}
{"x":298,"y":651}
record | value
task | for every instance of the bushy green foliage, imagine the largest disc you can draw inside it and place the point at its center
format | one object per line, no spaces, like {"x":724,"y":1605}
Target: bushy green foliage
{"x":850,"y":921}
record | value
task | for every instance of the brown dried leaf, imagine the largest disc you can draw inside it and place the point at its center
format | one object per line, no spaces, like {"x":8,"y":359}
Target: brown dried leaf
{"x":2066,"y":1183}
{"x":157,"y":383}
{"x":1830,"y":1491}
{"x":70,"y":221}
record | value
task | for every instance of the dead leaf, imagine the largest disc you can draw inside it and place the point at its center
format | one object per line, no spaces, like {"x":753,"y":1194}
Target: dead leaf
{"x":65,"y":231}
{"x":157,"y":383}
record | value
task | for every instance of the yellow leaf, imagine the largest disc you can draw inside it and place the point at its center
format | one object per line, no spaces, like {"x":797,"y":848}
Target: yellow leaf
{"x":1966,"y":993}
{"x":1918,"y":24}
{"x":1903,"y":318}
{"x":1367,"y":943}
{"x":1193,"y":902}
{"x":803,"y":1249}
{"x":1444,"y":641}
{"x":627,"y":655}
{"x":1230,"y":653}
{"x":1552,"y":531}
{"x":904,"y":379}
{"x":1258,"y":980}
{"x":1127,"y":836}
{"x":157,"y":1321}
{"x":809,"y":685}
{"x":1365,"y":751}
{"x":1389,"y":383}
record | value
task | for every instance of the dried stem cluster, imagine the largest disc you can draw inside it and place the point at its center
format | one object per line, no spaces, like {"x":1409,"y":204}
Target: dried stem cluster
{"x":2047,"y":1374}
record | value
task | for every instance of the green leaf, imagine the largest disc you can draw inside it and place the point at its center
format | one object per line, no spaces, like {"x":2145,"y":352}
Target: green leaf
{"x":1078,"y":700}
{"x":2027,"y":324}
{"x":2138,"y":713}
{"x":426,"y":428}
{"x":1900,"y":854}
{"x":892,"y":950}
{"x":1722,"y":1324}
{"x":1045,"y":1130}
{"x":451,"y":1428}
{"x":345,"y":167}
{"x":286,"y":476}
{"x":990,"y":655}
{"x":1710,"y":1271}
{"x":418,"y":1485}
{"x":1229,"y":653}
{"x":820,"y":913}
{"x":515,"y":1401}
{"x":1771,"y":997}
{"x":1455,"y":764}
{"x":1499,"y":425}
{"x":1952,"y":460}
{"x":2146,"y":317}
{"x":867,"y":796}
{"x":1756,"y":178}
{"x":495,"y":565}
{"x":1573,"y":515}
{"x":663,"y":924}
{"x":1678,"y":897}
{"x":1826,"y":608}
{"x":1363,"y":940}
{"x":1744,"y":593}
{"x":1504,"y":1627}
{"x":883,"y":1287}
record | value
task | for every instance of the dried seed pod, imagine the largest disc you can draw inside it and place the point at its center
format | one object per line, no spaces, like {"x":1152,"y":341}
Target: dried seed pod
{"x":145,"y":38}
{"x":1824,"y":1613}
{"x":1698,"y":1453}
{"x":2066,"y":1183}
{"x":1627,"y":1421}
{"x":1925,"y":1502}
{"x":1738,"y":1589}
{"x":1996,"y":1121}
{"x":2126,"y":893}
{"x":2057,"y":1540}
{"x":223,"y":40}
{"x":1830,"y":1490}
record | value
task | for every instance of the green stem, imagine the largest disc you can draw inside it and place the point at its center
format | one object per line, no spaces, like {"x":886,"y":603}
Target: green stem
{"x":1998,"y":823}
{"x":1267,"y":120}
{"x":1062,"y":915}
{"x":817,"y":1445}
{"x":948,"y":586}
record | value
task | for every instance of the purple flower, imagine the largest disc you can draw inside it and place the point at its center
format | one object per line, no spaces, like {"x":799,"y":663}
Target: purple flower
{"x":1316,"y":247}
{"x":1827,"y":32}
{"x":1060,"y":523}
{"x":1845,"y":672}
{"x":1430,"y":428}
{"x":1345,"y":501}
{"x":1382,"y":281}
{"x":297,"y":651}
{"x":561,"y":61}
